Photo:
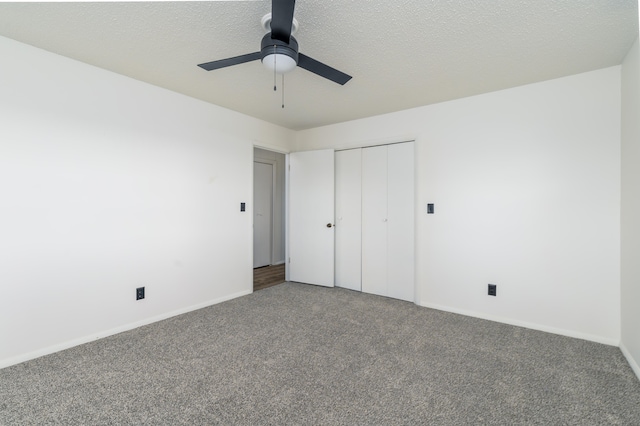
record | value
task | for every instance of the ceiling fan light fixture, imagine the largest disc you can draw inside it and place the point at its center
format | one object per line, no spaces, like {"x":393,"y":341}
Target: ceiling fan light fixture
{"x":278,"y":55}
{"x":279,"y":62}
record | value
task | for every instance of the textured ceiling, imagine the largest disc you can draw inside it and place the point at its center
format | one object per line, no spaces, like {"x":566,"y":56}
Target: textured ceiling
{"x":401,"y":53}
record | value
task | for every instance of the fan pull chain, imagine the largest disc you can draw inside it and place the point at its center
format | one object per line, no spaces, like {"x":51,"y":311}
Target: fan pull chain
{"x":274,"y":67}
{"x":282,"y":90}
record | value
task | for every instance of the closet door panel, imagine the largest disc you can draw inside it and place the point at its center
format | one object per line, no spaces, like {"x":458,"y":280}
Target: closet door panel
{"x":400,"y":225}
{"x":349,"y":219}
{"x":374,"y":220}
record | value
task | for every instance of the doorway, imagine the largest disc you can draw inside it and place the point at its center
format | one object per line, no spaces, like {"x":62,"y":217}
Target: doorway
{"x":268,"y":218}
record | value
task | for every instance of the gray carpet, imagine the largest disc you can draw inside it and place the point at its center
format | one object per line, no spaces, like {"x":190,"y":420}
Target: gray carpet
{"x":299,"y":354}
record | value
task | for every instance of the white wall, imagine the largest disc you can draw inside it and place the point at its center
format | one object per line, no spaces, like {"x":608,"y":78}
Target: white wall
{"x":108,"y":184}
{"x":279,"y":202}
{"x":630,"y":228}
{"x":526,"y":186}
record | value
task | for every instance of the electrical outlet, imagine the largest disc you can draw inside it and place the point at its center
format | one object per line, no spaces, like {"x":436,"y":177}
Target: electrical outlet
{"x":139,"y":293}
{"x":493,"y":290}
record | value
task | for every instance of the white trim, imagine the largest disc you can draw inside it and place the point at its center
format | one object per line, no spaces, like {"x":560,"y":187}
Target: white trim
{"x":376,"y":145}
{"x":287,"y":259}
{"x":370,"y":143}
{"x":90,"y":338}
{"x":632,"y":362}
{"x":533,"y":326}
{"x":268,"y":147}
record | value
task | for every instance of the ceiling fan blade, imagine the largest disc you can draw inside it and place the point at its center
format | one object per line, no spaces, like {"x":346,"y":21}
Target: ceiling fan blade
{"x":222,"y":63}
{"x":282,"y":19}
{"x":322,"y":70}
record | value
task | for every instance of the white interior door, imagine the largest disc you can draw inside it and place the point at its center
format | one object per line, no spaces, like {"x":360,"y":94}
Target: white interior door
{"x":349,"y":219}
{"x":311,"y":217}
{"x":400,"y":224}
{"x":262,"y":213}
{"x":374,"y":220}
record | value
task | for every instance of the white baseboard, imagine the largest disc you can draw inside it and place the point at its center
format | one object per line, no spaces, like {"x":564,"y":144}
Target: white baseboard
{"x":533,"y":326}
{"x":632,"y":362}
{"x":90,"y":338}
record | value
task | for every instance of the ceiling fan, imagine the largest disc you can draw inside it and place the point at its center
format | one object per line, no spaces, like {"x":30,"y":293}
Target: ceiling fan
{"x":279,"y":49}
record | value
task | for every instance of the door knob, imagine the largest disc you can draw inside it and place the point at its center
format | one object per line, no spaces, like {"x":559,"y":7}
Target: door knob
{"x":329,"y":225}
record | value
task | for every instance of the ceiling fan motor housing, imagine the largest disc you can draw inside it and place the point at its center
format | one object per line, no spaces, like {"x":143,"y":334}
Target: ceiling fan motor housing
{"x":272,"y":46}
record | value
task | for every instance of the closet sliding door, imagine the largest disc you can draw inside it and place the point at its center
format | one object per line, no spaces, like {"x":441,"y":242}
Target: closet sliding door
{"x":349,"y":219}
{"x":374,"y":220}
{"x":388,"y":221}
{"x":400,"y":224}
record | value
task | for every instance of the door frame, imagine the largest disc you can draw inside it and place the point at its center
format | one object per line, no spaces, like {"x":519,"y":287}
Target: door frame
{"x":285,"y":195}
